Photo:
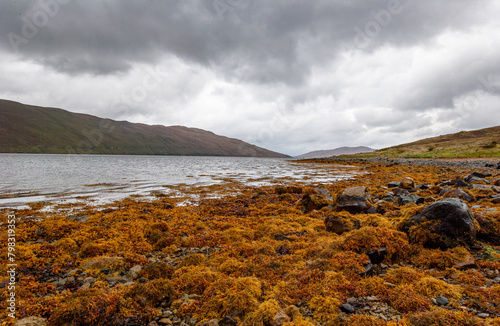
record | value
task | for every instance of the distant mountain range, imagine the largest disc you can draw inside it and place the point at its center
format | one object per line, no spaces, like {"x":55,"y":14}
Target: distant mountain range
{"x":33,"y":129}
{"x":335,"y":152}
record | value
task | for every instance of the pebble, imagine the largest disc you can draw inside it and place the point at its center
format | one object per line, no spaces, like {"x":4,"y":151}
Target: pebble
{"x":133,"y":273}
{"x":165,"y":321}
{"x":347,"y":308}
{"x":442,"y":301}
{"x":483,"y":315}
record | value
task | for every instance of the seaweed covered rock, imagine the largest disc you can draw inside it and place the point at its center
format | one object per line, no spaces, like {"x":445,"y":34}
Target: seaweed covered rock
{"x":315,"y":199}
{"x":443,"y":224}
{"x":490,"y":227}
{"x":459,"y":193}
{"x":338,"y":223}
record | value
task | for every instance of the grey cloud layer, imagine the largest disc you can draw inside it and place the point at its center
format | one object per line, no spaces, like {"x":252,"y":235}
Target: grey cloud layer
{"x":262,"y":41}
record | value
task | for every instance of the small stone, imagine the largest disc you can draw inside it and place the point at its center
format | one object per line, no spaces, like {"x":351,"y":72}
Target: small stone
{"x":407,"y":182}
{"x":442,"y":301}
{"x":165,"y":321}
{"x":483,"y":315}
{"x":467,"y":263}
{"x":280,"y":318}
{"x":347,"y":308}
{"x":213,"y":322}
{"x":86,"y":286}
{"x":355,"y":191}
{"x":372,"y":298}
{"x":133,"y":273}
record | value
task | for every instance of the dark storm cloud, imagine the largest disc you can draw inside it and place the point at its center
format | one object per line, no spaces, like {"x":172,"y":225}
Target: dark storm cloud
{"x":259,"y":41}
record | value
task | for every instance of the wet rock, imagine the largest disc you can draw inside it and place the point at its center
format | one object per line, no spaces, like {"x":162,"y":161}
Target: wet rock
{"x":353,"y":204}
{"x":483,"y":315}
{"x":393,"y":184}
{"x":455,"y":182}
{"x":165,"y":321}
{"x":336,"y":225}
{"x":466,"y":263}
{"x":31,"y":321}
{"x":442,"y":301}
{"x":377,"y":256}
{"x":322,"y":192}
{"x":407,"y":182}
{"x":347,"y":308}
{"x":369,"y":270}
{"x":410,"y":199}
{"x":355,"y":191}
{"x":448,"y":222}
{"x":459,"y":193}
{"x":82,"y":219}
{"x":476,"y":175}
{"x":401,"y":192}
{"x":133,"y":273}
{"x":227,"y":321}
{"x":372,"y":210}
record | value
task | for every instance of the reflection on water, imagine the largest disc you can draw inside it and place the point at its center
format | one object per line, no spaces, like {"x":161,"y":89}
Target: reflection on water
{"x":26,"y":178}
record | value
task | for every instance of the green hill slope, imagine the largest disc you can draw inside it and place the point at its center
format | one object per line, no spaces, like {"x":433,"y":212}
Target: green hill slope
{"x":465,"y":144}
{"x":32,"y":129}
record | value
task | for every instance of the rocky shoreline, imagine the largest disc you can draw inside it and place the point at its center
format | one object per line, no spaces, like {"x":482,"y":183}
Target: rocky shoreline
{"x":406,"y":242}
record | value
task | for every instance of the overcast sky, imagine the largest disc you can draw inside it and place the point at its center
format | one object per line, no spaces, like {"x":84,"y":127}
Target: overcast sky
{"x":291,"y":76}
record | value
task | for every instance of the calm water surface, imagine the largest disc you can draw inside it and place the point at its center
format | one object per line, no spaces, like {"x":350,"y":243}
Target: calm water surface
{"x":26,"y":178}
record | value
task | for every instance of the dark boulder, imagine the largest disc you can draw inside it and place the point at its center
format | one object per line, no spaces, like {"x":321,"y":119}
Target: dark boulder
{"x":443,"y":224}
{"x":353,"y":204}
